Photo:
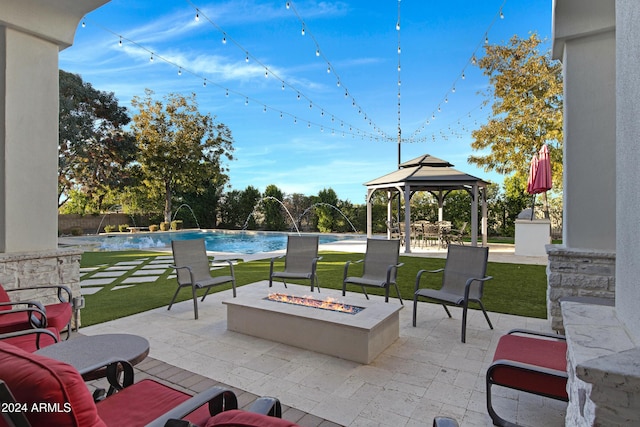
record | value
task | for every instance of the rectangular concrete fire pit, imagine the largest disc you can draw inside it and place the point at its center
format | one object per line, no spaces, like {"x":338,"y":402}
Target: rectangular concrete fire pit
{"x":358,"y":337}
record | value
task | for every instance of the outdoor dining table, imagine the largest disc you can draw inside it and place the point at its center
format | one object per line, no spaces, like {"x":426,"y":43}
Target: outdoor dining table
{"x":90,"y":354}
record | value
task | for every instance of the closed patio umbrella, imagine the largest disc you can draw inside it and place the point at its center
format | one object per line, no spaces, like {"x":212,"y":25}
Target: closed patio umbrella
{"x":539,"y":174}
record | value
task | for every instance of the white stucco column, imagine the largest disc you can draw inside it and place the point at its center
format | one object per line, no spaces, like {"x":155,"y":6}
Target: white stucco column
{"x":474,"y":215}
{"x":585,"y":42}
{"x":32,"y":32}
{"x":628,"y":164}
{"x":407,"y":218}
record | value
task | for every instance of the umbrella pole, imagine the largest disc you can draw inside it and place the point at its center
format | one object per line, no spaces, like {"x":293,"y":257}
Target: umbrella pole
{"x":533,"y":206}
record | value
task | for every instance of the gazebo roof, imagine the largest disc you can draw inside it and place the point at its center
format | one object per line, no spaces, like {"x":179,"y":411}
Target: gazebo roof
{"x":429,"y":173}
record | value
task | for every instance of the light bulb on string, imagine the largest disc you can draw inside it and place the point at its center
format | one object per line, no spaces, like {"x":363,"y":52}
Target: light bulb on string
{"x":302,"y":31}
{"x":473,"y":60}
{"x":317,"y":52}
{"x":329,"y":69}
{"x":197,"y":18}
{"x":246,"y":101}
{"x":266,"y":74}
{"x":399,"y":50}
{"x":282,"y":86}
{"x":226,"y":93}
{"x":281,"y":115}
{"x":264,"y":109}
{"x":84,"y":24}
{"x":224,"y":39}
{"x":288,"y":5}
{"x":486,"y":40}
{"x":204,"y":83}
{"x":463,"y":77}
{"x":120,"y":42}
{"x":151,"y":58}
{"x":298,"y":95}
{"x":446,"y":100}
{"x":453,"y":89}
{"x":179,"y":71}
{"x":246,"y":58}
{"x":338,"y":83}
{"x":398,"y":26}
{"x":501,"y":14}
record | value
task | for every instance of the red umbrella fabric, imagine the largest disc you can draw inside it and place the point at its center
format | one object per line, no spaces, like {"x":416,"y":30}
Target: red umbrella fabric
{"x":542,"y":181}
{"x":533,"y":170}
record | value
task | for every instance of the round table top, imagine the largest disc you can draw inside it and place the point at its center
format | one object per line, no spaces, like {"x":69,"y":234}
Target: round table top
{"x":88,"y":350}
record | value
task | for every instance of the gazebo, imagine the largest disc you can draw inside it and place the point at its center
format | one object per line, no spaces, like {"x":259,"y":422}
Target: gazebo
{"x":436,"y":176}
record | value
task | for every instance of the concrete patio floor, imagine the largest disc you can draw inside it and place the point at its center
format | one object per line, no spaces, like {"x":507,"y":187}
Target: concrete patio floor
{"x":427,"y":372}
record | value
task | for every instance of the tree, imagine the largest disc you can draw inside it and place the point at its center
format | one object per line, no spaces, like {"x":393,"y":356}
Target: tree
{"x":274,"y":218}
{"x":179,"y":148}
{"x":94,"y":150}
{"x":327,"y":215}
{"x":526,"y":110}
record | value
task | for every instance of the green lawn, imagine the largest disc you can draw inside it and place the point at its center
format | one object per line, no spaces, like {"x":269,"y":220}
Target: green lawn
{"x":515,"y":289}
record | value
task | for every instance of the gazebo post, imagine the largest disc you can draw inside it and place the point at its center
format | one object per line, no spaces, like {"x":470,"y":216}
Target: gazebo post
{"x":407,"y":218}
{"x":370,"y":192}
{"x":474,"y":215}
{"x":389,"y":215}
{"x":485,"y":226}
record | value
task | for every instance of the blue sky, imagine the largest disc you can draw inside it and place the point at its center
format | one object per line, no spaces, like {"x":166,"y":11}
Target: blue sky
{"x":293,"y":124}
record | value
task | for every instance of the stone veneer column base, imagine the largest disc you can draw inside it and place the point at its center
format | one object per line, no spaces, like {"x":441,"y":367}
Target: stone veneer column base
{"x":577,"y":273}
{"x":603,"y":367}
{"x":54,"y":267}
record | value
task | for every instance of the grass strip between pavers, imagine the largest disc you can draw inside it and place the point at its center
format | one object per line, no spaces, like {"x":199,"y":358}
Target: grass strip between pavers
{"x":518,"y":289}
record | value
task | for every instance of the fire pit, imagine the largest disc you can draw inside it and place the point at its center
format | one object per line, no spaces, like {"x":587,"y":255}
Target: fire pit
{"x":359,"y":337}
{"x":328,"y":303}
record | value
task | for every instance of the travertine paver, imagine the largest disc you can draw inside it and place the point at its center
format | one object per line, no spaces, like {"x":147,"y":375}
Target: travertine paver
{"x":427,"y":372}
{"x":140,"y":279}
{"x":94,"y":282}
{"x":110,"y":273}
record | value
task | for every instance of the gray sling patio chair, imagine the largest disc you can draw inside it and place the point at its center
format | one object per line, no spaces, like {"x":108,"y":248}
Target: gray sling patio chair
{"x":193,"y":270}
{"x":463,"y":281}
{"x":380,"y":268}
{"x":300,"y":261}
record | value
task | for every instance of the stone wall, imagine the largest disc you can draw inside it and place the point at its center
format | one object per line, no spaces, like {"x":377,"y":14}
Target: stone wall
{"x":603,"y":369}
{"x":577,"y":273}
{"x":55,"y":267}
{"x":90,"y":224}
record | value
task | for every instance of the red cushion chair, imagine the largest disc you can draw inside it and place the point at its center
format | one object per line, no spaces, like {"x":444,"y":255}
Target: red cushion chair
{"x":37,"y":380}
{"x":58,"y":315}
{"x":534,"y":362}
{"x":32,"y":339}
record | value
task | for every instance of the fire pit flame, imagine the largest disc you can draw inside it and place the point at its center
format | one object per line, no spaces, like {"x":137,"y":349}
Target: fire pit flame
{"x":308,"y":301}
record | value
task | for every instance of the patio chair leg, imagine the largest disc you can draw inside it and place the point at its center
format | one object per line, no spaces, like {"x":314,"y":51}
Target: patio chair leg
{"x":486,"y":316}
{"x":195,"y":301}
{"x":365,"y":292}
{"x":447,"y":310}
{"x":205,"y":294}
{"x":398,"y":291}
{"x":465,"y":305}
{"x":415,"y":309}
{"x":174,"y":298}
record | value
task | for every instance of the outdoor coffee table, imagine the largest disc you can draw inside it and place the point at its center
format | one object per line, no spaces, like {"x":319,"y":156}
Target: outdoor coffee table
{"x":88,"y":351}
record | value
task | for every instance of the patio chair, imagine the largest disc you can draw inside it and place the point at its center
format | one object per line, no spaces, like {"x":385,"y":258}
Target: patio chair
{"x":29,"y":379}
{"x":380,"y":268}
{"x":193,"y":270}
{"x":32,"y":339}
{"x":300,"y":261}
{"x":463,"y":281}
{"x":35,"y":314}
{"x":529,"y":361}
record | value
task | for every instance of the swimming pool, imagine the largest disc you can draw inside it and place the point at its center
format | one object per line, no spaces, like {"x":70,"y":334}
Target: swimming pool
{"x":245,"y":242}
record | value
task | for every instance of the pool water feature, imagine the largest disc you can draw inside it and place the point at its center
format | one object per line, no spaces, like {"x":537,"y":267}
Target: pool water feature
{"x":245,"y":242}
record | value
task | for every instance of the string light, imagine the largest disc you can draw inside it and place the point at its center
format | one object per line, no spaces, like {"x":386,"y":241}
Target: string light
{"x":197,"y":18}
{"x":120,"y":42}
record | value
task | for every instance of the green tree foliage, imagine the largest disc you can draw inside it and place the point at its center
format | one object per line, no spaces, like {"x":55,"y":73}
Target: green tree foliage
{"x":275,"y":218}
{"x":237,"y":208}
{"x":526,"y":93}
{"x":94,"y":150}
{"x":180,"y":148}
{"x":326,"y":215}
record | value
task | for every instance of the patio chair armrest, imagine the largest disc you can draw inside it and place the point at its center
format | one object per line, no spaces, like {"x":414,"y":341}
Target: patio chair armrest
{"x":467,"y":286}
{"x":60,"y":288}
{"x":267,"y":406}
{"x":219,"y":398}
{"x":346,"y":267}
{"x":184,"y":267}
{"x":537,"y":333}
{"x":421,"y":272}
{"x":37,"y":331}
{"x":35,"y":315}
{"x":391,"y":268}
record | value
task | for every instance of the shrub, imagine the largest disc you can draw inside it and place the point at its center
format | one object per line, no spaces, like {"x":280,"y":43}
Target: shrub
{"x":76,"y":231}
{"x":164,"y":226}
{"x":154,"y":227}
{"x":109,"y":228}
{"x":123,"y":228}
{"x":176,"y":225}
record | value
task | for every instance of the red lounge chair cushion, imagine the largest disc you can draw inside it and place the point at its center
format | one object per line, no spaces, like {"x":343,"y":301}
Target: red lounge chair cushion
{"x":143,"y":402}
{"x":237,"y":418}
{"x":4,"y":297}
{"x":36,"y":380}
{"x":544,"y":353}
{"x":58,"y":315}
{"x":12,"y":322}
{"x":28,"y":342}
